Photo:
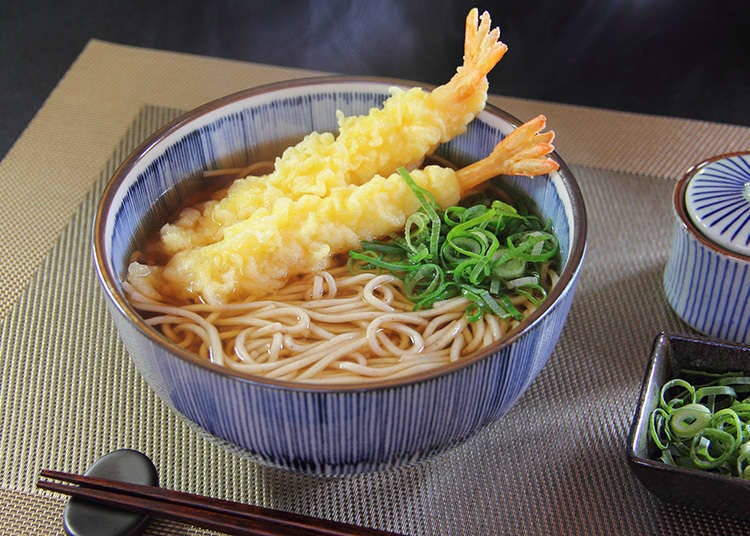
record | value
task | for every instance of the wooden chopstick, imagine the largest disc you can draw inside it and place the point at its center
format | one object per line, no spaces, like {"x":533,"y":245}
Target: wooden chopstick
{"x":207,"y":512}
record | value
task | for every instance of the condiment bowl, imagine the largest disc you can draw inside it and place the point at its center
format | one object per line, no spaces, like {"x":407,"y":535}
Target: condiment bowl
{"x":321,"y":429}
{"x":671,"y":357}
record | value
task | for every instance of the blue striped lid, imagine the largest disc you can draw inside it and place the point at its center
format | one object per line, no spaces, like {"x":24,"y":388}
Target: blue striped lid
{"x":717,"y":200}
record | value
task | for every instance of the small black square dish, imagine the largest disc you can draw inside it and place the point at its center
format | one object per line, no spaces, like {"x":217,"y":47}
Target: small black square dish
{"x":675,"y":356}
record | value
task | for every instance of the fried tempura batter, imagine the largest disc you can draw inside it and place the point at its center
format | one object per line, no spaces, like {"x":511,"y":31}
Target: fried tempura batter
{"x":409,"y":126}
{"x":299,"y":235}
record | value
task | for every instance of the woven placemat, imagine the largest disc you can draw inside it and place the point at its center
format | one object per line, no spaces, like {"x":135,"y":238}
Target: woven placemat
{"x":554,"y":465}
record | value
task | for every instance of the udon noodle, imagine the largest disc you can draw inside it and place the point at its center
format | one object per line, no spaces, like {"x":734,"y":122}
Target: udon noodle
{"x":333,"y":326}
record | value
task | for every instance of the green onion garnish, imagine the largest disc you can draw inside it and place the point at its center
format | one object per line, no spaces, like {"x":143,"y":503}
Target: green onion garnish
{"x":706,"y":426}
{"x":487,"y":253}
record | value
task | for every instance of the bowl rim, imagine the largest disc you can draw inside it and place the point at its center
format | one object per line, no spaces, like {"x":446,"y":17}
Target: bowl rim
{"x":106,"y":277}
{"x":680,"y":209}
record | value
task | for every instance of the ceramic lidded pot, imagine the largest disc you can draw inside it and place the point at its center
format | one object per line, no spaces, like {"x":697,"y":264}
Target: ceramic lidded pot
{"x":707,"y":277}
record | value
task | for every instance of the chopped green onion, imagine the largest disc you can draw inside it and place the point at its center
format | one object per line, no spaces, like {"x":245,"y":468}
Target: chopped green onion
{"x":689,"y":420}
{"x":487,"y":252}
{"x":527,"y":281}
{"x":659,"y":430}
{"x":711,"y":448}
{"x":687,"y":396}
{"x":705,"y":426}
{"x":710,"y":393}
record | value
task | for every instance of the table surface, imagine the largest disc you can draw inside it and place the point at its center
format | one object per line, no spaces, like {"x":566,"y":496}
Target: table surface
{"x":70,"y":394}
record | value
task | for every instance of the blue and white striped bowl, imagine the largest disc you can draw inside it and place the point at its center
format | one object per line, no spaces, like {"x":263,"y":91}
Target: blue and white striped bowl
{"x":707,"y":277}
{"x":320,"y":429}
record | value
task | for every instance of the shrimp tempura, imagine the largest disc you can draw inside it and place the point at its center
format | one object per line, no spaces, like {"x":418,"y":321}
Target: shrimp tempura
{"x":256,"y":256}
{"x":409,"y":126}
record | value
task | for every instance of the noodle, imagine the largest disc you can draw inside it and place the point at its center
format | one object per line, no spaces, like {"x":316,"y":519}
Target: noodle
{"x":329,"y":327}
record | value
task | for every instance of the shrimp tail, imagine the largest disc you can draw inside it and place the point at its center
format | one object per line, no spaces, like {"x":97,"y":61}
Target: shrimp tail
{"x":482,"y":51}
{"x":522,"y":152}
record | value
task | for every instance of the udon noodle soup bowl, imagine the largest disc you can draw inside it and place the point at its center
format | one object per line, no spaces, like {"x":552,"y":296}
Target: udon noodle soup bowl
{"x":321,"y":429}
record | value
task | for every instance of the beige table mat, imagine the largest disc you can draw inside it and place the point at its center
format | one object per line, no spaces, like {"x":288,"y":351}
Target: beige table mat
{"x":69,"y":393}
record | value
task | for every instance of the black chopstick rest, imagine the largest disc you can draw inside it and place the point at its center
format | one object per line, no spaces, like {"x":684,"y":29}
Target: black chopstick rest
{"x":84,"y":518}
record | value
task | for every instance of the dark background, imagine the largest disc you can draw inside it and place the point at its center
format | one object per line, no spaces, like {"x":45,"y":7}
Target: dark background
{"x":682,"y":58}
